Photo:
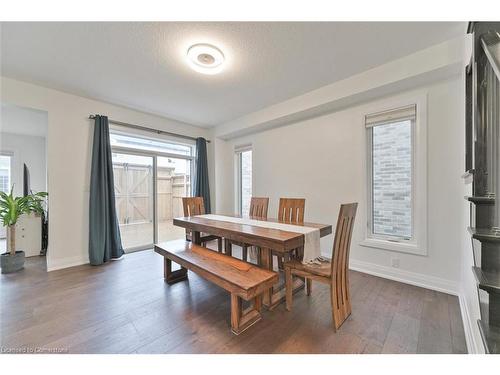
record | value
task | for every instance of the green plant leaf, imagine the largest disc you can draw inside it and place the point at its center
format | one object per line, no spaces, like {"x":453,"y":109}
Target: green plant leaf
{"x":12,"y":207}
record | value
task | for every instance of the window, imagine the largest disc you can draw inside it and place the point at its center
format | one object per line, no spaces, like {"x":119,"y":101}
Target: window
{"x":5,"y":173}
{"x":396,"y":180}
{"x":119,"y":139}
{"x":5,"y":181}
{"x":244,"y":179}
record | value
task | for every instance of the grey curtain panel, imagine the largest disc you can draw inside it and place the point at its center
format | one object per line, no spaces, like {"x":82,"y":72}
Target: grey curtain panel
{"x":201,"y":188}
{"x":104,"y":233}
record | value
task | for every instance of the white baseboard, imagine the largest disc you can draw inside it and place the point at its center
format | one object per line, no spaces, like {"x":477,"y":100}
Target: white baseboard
{"x":407,"y":277}
{"x":473,"y":347}
{"x":58,"y":264}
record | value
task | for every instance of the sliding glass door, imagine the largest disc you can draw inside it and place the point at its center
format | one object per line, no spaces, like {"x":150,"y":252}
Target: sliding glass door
{"x":151,"y":177}
{"x":134,"y":195}
{"x":173,"y":183}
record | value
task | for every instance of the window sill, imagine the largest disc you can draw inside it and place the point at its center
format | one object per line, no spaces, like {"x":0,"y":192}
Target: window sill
{"x":394,"y":246}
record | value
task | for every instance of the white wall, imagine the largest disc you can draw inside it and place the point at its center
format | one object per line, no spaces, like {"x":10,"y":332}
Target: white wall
{"x":68,"y":160}
{"x":224,"y":168}
{"x":322,"y":159}
{"x":30,"y":151}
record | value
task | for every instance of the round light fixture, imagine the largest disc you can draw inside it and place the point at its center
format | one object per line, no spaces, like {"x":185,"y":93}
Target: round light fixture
{"x":205,"y":58}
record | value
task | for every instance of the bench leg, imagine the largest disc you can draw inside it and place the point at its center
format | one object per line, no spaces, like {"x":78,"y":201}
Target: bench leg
{"x":172,"y":277}
{"x":242,"y":320}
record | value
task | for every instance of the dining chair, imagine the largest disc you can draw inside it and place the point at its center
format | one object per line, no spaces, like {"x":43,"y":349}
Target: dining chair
{"x":290,"y":210}
{"x":258,"y":210}
{"x":333,"y":272}
{"x":196,"y":206}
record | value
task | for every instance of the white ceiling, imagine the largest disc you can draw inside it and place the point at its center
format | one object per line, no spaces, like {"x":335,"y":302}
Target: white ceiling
{"x":142,"y":65}
{"x":25,"y":121}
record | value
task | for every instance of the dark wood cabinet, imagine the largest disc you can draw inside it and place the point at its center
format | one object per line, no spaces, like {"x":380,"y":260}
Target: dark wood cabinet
{"x":482,"y":132}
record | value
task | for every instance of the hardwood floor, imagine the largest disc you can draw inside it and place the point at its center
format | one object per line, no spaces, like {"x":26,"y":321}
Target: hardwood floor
{"x":125,"y":307}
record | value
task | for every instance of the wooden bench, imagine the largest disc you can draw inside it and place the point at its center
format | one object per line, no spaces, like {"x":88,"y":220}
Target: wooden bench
{"x":243,"y":280}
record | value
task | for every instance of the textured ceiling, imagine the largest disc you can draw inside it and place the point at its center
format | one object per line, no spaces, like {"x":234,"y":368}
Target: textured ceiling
{"x":142,"y":65}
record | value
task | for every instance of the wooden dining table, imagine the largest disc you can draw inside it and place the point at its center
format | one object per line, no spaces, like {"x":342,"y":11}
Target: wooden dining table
{"x":268,"y":240}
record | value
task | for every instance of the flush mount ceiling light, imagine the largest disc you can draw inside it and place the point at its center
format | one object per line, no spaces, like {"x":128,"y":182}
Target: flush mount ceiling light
{"x":205,"y":58}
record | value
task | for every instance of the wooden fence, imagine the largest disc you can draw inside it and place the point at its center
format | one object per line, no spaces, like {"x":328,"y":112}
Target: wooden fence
{"x":134,"y":193}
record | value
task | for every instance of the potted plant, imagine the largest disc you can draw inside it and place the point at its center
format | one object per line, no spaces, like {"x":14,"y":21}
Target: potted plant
{"x":11,"y":208}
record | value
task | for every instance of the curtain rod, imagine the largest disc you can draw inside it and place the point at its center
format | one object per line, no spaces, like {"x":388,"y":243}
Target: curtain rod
{"x":139,"y":127}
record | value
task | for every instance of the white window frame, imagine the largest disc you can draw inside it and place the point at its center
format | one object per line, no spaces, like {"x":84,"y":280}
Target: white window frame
{"x":238,"y":150}
{"x":418,"y":243}
{"x":120,"y":130}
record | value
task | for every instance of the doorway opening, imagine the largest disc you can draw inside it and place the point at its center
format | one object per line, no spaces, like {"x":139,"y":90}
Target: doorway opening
{"x":23,"y":169}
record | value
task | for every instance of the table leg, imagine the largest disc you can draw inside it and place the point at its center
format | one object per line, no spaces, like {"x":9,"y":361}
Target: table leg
{"x":276,"y":294}
{"x":279,"y":293}
{"x":266,"y":261}
{"x":228,"y":246}
{"x":299,"y":253}
{"x":196,"y":237}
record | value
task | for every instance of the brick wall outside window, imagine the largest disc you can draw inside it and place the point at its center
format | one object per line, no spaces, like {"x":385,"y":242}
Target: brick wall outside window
{"x":392,"y":179}
{"x":246,"y":181}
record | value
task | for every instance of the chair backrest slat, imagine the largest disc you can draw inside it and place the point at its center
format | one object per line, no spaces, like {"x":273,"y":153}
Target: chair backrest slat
{"x":291,"y":210}
{"x":341,"y":247}
{"x":258,"y":207}
{"x":193,"y":206}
